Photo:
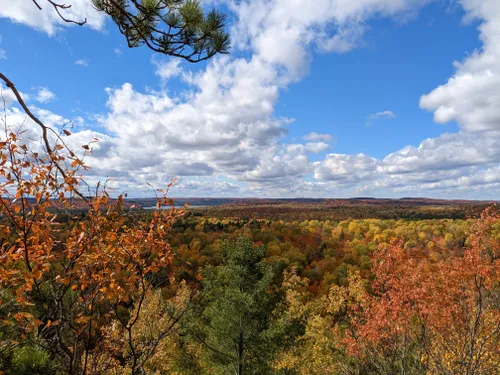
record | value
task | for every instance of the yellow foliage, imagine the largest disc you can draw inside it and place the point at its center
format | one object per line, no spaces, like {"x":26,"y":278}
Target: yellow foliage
{"x":319,"y":351}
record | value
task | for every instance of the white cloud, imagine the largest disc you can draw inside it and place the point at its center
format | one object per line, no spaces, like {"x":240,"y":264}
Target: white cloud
{"x":345,"y":40}
{"x":345,"y":168}
{"x":15,"y":119}
{"x":472,"y":96}
{"x":281,"y":30}
{"x":167,"y":70}
{"x":44,"y":95}
{"x":376,"y":116}
{"x":118,"y":51}
{"x":7,"y":96}
{"x":317,"y":137}
{"x":81,"y":62}
{"x":3,"y":54}
{"x":442,"y":164}
{"x":278,"y":168}
{"x":448,"y":151}
{"x":316,"y":147}
{"x":47,"y":20}
{"x":213,"y":131}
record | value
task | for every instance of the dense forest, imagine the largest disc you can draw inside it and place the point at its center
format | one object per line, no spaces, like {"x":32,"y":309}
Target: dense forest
{"x":264,"y":296}
{"x":341,"y":209}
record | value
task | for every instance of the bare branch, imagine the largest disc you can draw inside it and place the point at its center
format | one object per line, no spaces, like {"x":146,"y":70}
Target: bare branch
{"x":38,"y":6}
{"x":58,"y":8}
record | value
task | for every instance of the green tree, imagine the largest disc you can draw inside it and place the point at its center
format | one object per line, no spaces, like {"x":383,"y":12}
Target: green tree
{"x":177,"y":28}
{"x":235,"y":323}
{"x":173,"y":27}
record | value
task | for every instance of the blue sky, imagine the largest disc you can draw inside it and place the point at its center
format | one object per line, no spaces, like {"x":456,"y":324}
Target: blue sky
{"x":395,"y":65}
{"x":385,"y":98}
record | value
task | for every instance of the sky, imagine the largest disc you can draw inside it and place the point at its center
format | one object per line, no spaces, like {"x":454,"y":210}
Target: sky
{"x":340,"y":98}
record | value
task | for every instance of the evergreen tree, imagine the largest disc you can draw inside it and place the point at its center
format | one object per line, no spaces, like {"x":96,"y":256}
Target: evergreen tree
{"x":235,"y":322}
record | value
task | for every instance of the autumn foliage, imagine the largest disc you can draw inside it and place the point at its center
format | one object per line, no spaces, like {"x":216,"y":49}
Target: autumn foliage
{"x":65,"y":281}
{"x":437,"y":317}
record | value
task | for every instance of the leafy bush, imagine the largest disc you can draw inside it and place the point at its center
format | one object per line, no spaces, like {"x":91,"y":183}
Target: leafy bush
{"x":28,"y":360}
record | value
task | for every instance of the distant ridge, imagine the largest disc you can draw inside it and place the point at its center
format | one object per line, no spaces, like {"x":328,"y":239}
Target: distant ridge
{"x":211,"y":201}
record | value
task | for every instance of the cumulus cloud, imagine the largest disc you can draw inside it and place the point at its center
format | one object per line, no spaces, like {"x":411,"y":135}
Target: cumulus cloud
{"x":448,"y":151}
{"x":225,"y":131}
{"x":471,"y":97}
{"x":288,"y":164}
{"x":167,"y":70}
{"x":345,"y":168}
{"x":445,"y":163}
{"x":46,"y":19}
{"x":203,"y":187}
{"x":44,"y":95}
{"x":8,"y":97}
{"x":3,"y":54}
{"x":316,"y":147}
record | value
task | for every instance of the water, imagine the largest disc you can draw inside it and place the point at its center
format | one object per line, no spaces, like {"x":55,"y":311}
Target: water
{"x":176,"y":206}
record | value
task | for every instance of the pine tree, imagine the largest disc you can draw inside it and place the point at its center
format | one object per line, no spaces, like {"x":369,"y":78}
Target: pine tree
{"x":235,"y":322}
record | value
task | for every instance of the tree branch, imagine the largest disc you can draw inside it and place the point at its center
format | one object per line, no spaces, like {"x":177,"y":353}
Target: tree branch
{"x":58,"y":8}
{"x":45,"y":130}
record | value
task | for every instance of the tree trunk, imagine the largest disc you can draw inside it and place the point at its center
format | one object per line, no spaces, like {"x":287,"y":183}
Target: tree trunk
{"x":240,"y":354}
